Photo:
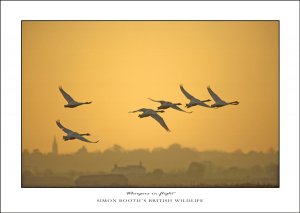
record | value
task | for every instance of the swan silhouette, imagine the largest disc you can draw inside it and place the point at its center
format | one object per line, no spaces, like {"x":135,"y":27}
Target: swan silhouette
{"x":218,"y":101}
{"x":193,"y":101}
{"x":154,"y":114}
{"x":71,"y":102}
{"x":167,"y":104}
{"x":71,"y":135}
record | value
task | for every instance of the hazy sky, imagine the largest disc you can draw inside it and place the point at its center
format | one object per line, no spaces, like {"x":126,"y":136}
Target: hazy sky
{"x":119,"y":64}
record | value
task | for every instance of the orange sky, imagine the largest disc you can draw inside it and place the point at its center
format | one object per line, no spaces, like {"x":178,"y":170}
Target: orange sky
{"x":119,"y":64}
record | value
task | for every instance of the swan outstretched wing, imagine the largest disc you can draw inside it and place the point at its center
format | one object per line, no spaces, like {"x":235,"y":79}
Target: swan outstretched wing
{"x":154,"y":100}
{"x":139,"y":110}
{"x":216,"y":98}
{"x":188,"y":95}
{"x":68,"y":98}
{"x":68,"y":131}
{"x":134,"y":111}
{"x":78,"y":136}
{"x":200,"y":103}
{"x":178,"y":108}
{"x":161,"y":121}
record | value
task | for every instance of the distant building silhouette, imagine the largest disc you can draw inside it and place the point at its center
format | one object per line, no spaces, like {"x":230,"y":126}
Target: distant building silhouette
{"x":82,"y":151}
{"x":54,"y":147}
{"x":129,"y":170}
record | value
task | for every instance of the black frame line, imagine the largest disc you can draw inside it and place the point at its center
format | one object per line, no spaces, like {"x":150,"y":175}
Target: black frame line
{"x":130,"y":188}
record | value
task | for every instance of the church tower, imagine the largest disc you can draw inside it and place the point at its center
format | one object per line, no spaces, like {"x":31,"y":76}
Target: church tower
{"x":54,"y":147}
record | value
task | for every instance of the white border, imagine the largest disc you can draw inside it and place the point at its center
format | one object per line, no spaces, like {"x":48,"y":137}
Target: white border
{"x":16,"y":199}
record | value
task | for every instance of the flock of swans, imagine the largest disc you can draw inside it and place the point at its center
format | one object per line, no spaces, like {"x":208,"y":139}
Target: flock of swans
{"x":146,"y":112}
{"x":193,"y":102}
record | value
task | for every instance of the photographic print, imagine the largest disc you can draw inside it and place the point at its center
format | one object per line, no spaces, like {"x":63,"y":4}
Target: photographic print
{"x":150,"y":104}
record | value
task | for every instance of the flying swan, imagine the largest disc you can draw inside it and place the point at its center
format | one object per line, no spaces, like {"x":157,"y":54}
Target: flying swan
{"x":71,"y":135}
{"x":153,"y":114}
{"x":218,"y":101}
{"x":167,"y":104}
{"x":193,"y":101}
{"x":71,"y":102}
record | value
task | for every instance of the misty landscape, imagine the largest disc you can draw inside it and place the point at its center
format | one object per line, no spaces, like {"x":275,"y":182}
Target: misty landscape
{"x":175,"y":166}
{"x":189,"y":118}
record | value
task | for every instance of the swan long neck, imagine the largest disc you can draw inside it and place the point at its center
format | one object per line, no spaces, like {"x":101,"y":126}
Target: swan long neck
{"x":206,"y":100}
